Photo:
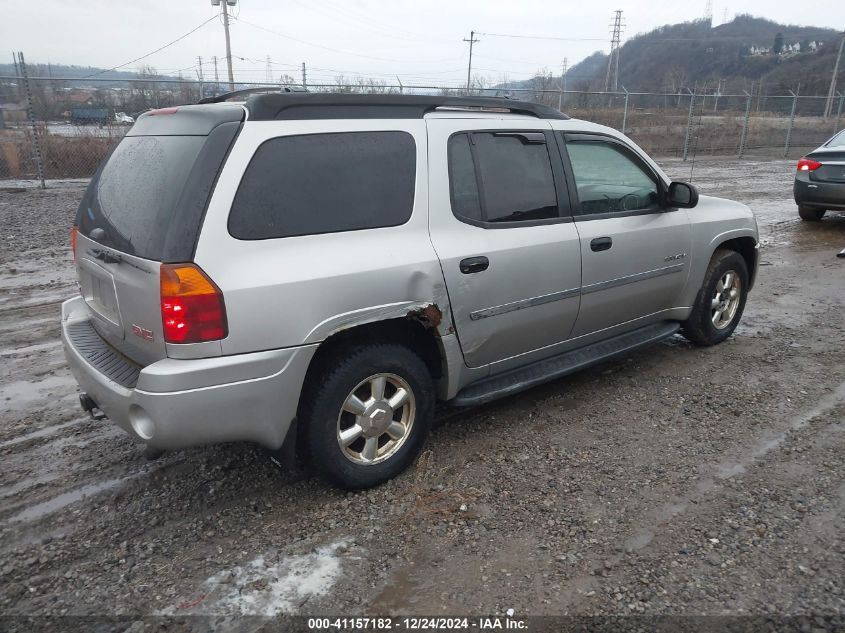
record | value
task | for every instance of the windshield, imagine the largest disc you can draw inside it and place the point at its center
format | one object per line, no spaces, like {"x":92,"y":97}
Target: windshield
{"x":133,"y":200}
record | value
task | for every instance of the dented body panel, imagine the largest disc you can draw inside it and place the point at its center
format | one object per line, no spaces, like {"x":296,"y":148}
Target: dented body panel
{"x":301,"y":290}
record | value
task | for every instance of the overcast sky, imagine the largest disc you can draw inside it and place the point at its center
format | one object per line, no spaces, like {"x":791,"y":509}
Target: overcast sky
{"x":420,"y":42}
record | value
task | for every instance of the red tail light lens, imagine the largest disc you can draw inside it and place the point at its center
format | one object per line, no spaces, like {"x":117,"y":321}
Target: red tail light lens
{"x":192,"y":308}
{"x":808,"y":164}
{"x":73,"y":233}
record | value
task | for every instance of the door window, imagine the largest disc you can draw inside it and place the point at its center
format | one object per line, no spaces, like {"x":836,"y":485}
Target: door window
{"x":608,"y":180}
{"x":501,"y":177}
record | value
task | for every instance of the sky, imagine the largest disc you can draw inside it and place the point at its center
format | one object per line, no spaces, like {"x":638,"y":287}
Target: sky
{"x":417,"y":43}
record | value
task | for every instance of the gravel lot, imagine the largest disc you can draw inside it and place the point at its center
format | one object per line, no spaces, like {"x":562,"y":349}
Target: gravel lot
{"x":677,"y":480}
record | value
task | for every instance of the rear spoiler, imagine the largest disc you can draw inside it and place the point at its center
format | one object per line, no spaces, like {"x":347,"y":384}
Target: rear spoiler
{"x":190,"y":120}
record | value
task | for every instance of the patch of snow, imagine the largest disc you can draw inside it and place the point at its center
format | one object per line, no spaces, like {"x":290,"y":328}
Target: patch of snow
{"x":272,"y":584}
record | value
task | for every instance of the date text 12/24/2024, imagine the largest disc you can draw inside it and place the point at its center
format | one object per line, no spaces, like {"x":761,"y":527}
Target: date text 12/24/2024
{"x":493,"y":623}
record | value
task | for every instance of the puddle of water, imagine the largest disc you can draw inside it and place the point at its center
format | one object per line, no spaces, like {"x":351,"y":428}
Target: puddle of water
{"x":21,"y":395}
{"x":31,"y":348}
{"x":735,"y":467}
{"x":639,"y":540}
{"x":268,"y":585}
{"x":27,"y":483}
{"x":45,"y":432}
{"x":65,"y":499}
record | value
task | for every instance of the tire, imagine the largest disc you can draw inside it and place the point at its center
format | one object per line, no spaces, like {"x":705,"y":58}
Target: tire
{"x":705,"y":327}
{"x":810,"y":214}
{"x":326,"y":411}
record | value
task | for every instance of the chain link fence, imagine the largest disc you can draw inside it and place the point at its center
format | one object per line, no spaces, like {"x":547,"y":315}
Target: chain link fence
{"x":77,"y":122}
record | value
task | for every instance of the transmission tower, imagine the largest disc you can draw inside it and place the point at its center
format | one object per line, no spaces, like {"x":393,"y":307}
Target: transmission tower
{"x":268,"y":71}
{"x":612,"y":79}
{"x":725,"y":16}
{"x":708,"y":12}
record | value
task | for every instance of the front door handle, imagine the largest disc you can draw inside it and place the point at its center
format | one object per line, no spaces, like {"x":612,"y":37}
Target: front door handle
{"x":601,"y":244}
{"x":472,"y":265}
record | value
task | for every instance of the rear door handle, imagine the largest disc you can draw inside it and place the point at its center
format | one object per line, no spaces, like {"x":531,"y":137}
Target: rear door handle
{"x":472,"y":265}
{"x":601,"y":244}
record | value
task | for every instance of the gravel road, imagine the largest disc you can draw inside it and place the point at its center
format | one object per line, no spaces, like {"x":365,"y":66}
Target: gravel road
{"x":677,"y":480}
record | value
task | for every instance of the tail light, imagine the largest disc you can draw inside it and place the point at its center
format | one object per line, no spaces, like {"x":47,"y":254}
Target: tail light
{"x":192,"y":308}
{"x":808,"y":164}
{"x":73,"y":232}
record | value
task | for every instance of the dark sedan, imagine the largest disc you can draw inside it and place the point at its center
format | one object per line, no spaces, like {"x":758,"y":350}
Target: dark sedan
{"x":820,"y":180}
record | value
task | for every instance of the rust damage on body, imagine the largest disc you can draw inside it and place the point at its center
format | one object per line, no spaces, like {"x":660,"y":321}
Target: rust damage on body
{"x":430,"y":316}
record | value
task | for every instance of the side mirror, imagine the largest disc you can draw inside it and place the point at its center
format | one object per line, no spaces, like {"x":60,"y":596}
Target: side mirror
{"x":682,"y":195}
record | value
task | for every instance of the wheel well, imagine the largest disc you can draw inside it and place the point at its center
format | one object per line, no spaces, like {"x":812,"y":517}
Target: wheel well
{"x":745,"y":246}
{"x":412,"y":333}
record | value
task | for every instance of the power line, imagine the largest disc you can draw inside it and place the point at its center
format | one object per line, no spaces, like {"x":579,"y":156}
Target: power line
{"x":328,"y":48}
{"x":137,"y":59}
{"x":545,"y":37}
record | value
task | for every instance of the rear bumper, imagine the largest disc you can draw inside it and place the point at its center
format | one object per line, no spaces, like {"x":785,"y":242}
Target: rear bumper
{"x":819,"y":195}
{"x":181,"y":403}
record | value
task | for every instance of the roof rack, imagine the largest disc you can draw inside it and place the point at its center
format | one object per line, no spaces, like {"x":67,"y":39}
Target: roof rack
{"x":248,"y":91}
{"x":317,"y":105}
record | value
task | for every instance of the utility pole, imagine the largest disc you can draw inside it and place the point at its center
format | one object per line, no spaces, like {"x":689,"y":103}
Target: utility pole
{"x":471,"y":41}
{"x":562,"y":85}
{"x":199,"y":75}
{"x":36,"y":139}
{"x":17,"y":76}
{"x":828,"y":109}
{"x":304,"y":77}
{"x":717,"y":95}
{"x":613,"y":60}
{"x":225,"y":10}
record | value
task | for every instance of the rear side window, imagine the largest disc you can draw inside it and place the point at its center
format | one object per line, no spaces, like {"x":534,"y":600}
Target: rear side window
{"x":501,"y":177}
{"x":325,"y":183}
{"x":134,"y":198}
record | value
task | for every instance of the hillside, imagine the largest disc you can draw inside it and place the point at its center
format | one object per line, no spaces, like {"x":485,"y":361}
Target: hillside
{"x":76,"y":72}
{"x":679,"y":56}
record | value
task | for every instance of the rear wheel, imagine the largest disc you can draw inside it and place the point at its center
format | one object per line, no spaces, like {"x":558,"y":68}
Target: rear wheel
{"x":367,"y":417}
{"x":721,"y":300}
{"x":810,"y":214}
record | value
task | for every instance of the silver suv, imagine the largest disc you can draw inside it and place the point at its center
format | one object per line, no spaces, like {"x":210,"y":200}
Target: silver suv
{"x":345,"y":261}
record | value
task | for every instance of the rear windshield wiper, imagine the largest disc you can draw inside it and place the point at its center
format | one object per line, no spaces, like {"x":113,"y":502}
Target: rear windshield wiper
{"x":105,"y":256}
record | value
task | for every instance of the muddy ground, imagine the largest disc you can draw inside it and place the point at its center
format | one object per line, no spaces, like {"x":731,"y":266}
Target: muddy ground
{"x":678,"y":480}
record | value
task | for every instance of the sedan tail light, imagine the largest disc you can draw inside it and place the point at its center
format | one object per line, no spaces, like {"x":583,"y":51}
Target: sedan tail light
{"x":73,"y":233}
{"x":192,"y":308}
{"x":808,"y":164}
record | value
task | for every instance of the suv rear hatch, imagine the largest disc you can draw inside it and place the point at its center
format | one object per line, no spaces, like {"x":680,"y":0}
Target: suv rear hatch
{"x":145,"y":207}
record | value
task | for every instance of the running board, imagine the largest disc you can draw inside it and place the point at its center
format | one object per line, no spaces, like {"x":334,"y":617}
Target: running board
{"x":537,"y":373}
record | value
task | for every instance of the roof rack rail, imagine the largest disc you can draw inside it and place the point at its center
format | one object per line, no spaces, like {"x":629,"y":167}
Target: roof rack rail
{"x":248,"y":91}
{"x":321,"y":105}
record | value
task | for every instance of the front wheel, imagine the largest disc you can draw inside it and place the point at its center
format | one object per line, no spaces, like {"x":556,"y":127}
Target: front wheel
{"x":720,"y":302}
{"x":810,"y":214}
{"x":367,"y":417}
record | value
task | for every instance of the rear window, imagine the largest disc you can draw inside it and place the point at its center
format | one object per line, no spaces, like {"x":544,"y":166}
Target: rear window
{"x":325,"y":183}
{"x":837,"y":141}
{"x":134,"y":198}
